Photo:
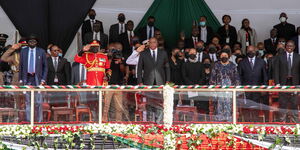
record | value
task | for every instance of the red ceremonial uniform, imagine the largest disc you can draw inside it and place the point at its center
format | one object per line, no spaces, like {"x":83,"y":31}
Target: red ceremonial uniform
{"x":95,"y":64}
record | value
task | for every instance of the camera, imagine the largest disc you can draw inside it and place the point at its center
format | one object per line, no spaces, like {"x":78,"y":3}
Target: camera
{"x":116,"y":54}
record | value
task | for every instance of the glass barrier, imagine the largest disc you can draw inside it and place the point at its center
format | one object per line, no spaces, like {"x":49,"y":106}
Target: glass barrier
{"x":268,"y":107}
{"x":202,"y":107}
{"x":133,"y":107}
{"x":13,"y":108}
{"x":148,"y":106}
{"x":66,"y":107}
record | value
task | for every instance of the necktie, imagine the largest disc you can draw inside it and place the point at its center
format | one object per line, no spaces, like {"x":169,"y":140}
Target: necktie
{"x":251,"y":63}
{"x":121,"y":29}
{"x":153,"y":56}
{"x":290,"y":65}
{"x":55,"y":64}
{"x":195,"y":42}
{"x":31,"y":62}
{"x":150,"y":33}
{"x":212,"y":58}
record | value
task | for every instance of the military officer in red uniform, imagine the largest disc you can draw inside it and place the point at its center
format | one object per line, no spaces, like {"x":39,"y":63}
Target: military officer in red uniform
{"x":95,"y":62}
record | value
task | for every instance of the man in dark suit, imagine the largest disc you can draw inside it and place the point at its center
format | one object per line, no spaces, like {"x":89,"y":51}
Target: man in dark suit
{"x":153,"y":65}
{"x":33,"y":71}
{"x":271,"y":43}
{"x":287,"y":71}
{"x":87,"y":25}
{"x":296,"y":40}
{"x":205,"y":32}
{"x":201,"y":54}
{"x":285,"y":29}
{"x":252,"y":71}
{"x":59,"y":68}
{"x":194,"y":39}
{"x":96,"y":35}
{"x":147,"y":32}
{"x":126,"y":39}
{"x":116,"y":29}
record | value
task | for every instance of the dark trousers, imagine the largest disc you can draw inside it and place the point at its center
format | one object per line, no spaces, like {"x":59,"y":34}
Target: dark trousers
{"x":38,"y":100}
{"x":288,"y":100}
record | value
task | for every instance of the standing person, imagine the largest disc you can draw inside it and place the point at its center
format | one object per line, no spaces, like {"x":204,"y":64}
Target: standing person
{"x":175,"y":67}
{"x":227,"y":32}
{"x":96,"y":63}
{"x":224,"y":73}
{"x":205,"y":32}
{"x":296,"y":40}
{"x":153,"y":65}
{"x":285,"y":29}
{"x":271,"y":43}
{"x":33,"y":71}
{"x":4,"y":66}
{"x":127,"y":39}
{"x":116,"y":29}
{"x":97,"y":35}
{"x":147,"y":32}
{"x":87,"y":25}
{"x":286,"y":71}
{"x":246,"y":35}
{"x":252,"y":71}
{"x":59,"y":68}
{"x":194,"y":39}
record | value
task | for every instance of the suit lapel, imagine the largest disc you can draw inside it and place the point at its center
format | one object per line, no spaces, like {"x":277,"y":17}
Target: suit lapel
{"x":248,"y":63}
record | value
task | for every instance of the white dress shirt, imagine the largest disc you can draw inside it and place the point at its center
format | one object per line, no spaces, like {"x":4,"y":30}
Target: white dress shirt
{"x":252,"y":59}
{"x":152,"y":33}
{"x":211,"y":56}
{"x":199,"y":56}
{"x":133,"y":59}
{"x":287,"y":57}
{"x":121,"y":30}
{"x":34,"y":57}
{"x":97,"y":34}
{"x":204,"y":34}
{"x":92,"y":24}
{"x":155,"y":51}
{"x":128,"y":33}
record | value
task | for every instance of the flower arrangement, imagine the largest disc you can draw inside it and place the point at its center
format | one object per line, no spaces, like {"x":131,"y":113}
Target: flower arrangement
{"x":173,"y":137}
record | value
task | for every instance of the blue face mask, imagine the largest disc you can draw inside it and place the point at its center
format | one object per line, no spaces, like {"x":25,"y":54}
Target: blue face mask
{"x":202,"y":23}
{"x":60,"y":54}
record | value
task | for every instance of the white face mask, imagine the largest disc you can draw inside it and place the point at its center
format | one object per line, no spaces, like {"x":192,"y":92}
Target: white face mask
{"x":282,"y":19}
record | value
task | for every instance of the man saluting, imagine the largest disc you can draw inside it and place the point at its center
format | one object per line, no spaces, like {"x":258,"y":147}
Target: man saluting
{"x":95,"y":62}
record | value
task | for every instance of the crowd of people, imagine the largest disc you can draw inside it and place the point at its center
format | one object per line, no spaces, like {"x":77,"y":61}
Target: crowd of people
{"x":125,"y":56}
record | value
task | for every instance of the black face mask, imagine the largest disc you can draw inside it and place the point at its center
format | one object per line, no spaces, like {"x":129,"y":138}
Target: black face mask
{"x":206,"y":65}
{"x":94,"y":49}
{"x":121,"y":19}
{"x":250,"y":54}
{"x":92,"y":17}
{"x":212,"y":50}
{"x":151,"y":24}
{"x":199,"y":50}
{"x":177,"y":55}
{"x":186,"y":55}
{"x":224,"y":59}
{"x":192,"y":56}
{"x":2,"y":43}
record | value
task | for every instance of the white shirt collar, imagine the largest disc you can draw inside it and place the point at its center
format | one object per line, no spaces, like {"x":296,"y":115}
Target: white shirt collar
{"x":153,"y":49}
{"x":253,"y":59}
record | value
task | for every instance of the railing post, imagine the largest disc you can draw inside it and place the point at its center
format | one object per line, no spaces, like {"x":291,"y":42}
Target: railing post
{"x":168,"y":97}
{"x":100,"y":107}
{"x":32,"y":107}
{"x":234,"y":106}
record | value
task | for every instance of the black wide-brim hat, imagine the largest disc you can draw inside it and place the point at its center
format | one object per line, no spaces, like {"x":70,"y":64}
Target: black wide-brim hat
{"x":32,"y":37}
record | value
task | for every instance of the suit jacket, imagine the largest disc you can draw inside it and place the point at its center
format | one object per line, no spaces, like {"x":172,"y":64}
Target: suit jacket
{"x":210,"y":34}
{"x":270,"y":46}
{"x":75,"y":75}
{"x":88,"y":37}
{"x":286,"y":31}
{"x":41,"y":66}
{"x":232,"y":35}
{"x":127,"y":48}
{"x":255,"y":76}
{"x":63,"y":72}
{"x":142,"y":33}
{"x":242,"y":38}
{"x":281,"y":69}
{"x":148,"y":70}
{"x":296,"y":40}
{"x":114,"y":33}
{"x":87,"y":27}
{"x":189,"y":42}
